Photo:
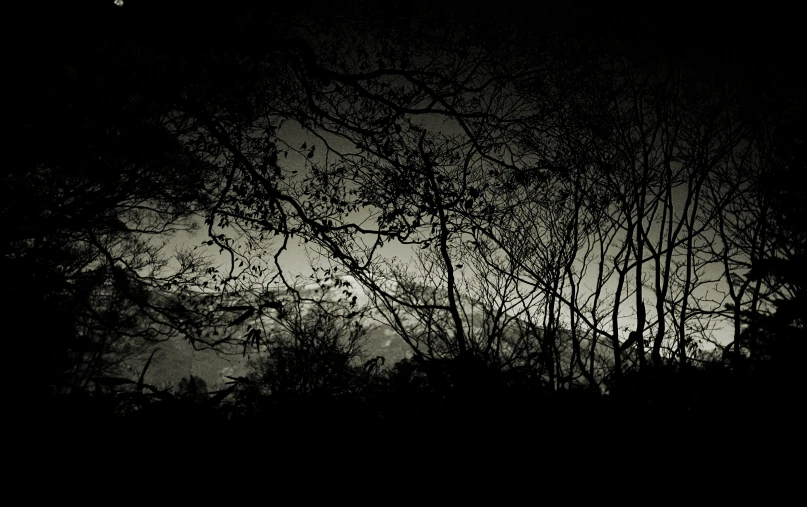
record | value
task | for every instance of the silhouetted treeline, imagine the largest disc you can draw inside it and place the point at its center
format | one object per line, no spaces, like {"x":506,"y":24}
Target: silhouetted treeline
{"x":571,"y":136}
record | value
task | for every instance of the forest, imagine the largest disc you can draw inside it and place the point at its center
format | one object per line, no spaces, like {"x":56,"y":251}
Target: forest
{"x":570,"y":219}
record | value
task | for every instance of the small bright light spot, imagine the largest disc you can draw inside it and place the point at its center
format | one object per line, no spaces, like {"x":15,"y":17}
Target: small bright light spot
{"x":118,"y":2}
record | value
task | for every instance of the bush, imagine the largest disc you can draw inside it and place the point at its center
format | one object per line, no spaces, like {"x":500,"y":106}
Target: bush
{"x":312,"y":364}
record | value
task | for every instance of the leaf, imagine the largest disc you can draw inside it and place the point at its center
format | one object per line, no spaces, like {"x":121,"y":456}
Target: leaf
{"x":303,"y":146}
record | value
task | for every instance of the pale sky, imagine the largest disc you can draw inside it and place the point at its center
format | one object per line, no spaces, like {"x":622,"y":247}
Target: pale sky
{"x":297,"y":259}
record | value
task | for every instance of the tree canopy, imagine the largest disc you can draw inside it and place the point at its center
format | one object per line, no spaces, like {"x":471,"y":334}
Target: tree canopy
{"x":580,"y":201}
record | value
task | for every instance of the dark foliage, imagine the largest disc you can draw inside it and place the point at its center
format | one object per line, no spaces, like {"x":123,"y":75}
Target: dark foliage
{"x":98,"y":168}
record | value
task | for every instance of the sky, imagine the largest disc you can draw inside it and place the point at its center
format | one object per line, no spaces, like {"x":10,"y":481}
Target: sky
{"x":299,"y":258}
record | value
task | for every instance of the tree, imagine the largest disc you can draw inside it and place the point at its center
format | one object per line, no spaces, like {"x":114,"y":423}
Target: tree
{"x":98,"y":185}
{"x":309,"y":359}
{"x":582,"y":192}
{"x":648,"y":128}
{"x":775,"y":332}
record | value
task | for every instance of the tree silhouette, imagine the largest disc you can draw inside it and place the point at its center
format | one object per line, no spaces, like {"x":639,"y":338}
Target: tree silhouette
{"x":579,"y":206}
{"x":309,"y":363}
{"x":775,"y":335}
{"x":86,"y":213}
